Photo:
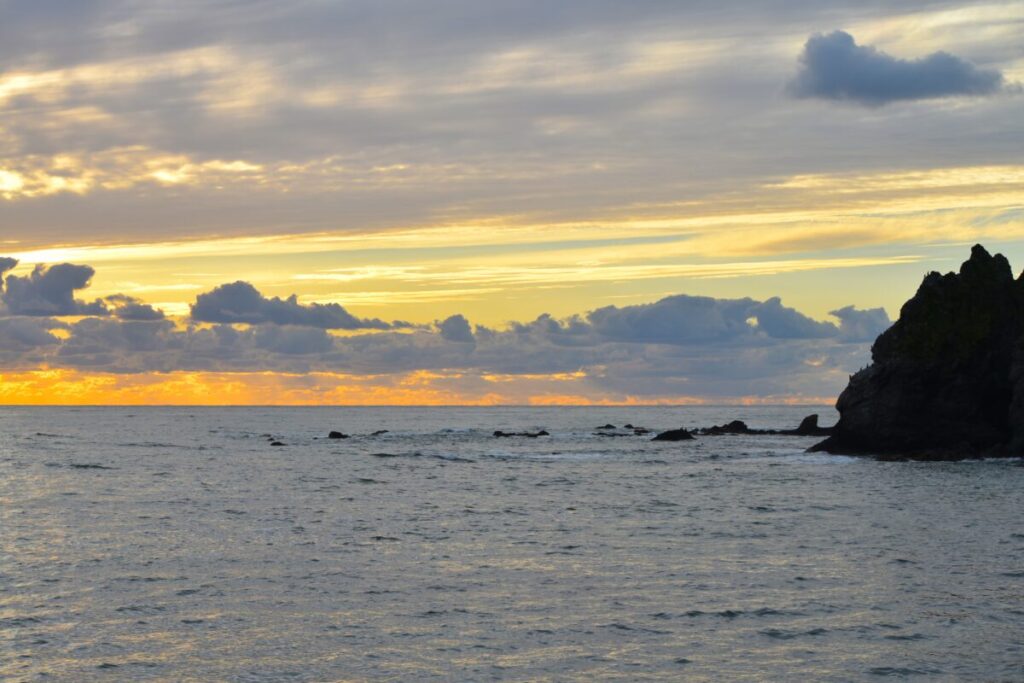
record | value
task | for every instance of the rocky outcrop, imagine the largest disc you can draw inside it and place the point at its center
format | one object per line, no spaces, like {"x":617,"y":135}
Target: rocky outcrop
{"x":734,"y":427}
{"x":947,"y":379}
{"x":673,"y":435}
{"x":809,"y":427}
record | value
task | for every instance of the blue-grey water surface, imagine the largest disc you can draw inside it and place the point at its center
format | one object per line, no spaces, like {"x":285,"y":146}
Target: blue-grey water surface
{"x":177,"y":544}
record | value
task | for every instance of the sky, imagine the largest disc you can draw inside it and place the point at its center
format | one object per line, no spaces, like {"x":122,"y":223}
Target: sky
{"x":512,"y":201}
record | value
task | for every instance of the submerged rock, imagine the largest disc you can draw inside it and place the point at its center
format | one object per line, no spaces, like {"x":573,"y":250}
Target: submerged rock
{"x":530,"y":435}
{"x":674,"y":435}
{"x":947,"y":379}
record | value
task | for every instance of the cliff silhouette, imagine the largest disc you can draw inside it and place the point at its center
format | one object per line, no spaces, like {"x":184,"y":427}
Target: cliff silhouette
{"x":947,"y":379}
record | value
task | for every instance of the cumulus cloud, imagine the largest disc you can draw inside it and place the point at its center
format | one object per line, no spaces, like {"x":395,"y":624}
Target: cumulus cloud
{"x":674,"y":320}
{"x":686,"y":319}
{"x":861,"y":325}
{"x":6,"y":263}
{"x":834,"y":67}
{"x":456,"y":329}
{"x":130,"y":308}
{"x":240,"y":302}
{"x":782,"y":322}
{"x":51,"y":292}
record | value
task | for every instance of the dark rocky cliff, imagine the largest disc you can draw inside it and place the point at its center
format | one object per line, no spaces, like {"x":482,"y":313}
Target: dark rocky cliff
{"x":947,"y":379}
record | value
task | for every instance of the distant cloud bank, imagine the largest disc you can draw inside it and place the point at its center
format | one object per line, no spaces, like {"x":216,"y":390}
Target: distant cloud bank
{"x":834,"y":67}
{"x":678,"y":346}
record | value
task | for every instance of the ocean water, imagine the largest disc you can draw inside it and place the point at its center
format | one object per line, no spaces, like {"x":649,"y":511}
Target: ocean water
{"x":177,"y":544}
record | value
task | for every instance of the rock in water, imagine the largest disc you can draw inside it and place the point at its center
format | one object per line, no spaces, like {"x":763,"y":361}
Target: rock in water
{"x":673,"y":435}
{"x":734,"y":427}
{"x":530,"y":435}
{"x":947,"y":379}
{"x":337,"y":435}
{"x":809,"y":427}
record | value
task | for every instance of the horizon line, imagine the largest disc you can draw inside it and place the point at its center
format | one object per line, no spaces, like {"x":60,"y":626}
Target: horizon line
{"x":392,"y":405}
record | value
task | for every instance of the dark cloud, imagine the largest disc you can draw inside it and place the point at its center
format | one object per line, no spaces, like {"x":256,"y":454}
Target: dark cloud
{"x":674,"y":320}
{"x":111,"y":345}
{"x":834,"y":67}
{"x":25,"y":343}
{"x":240,"y":302}
{"x":21,"y":334}
{"x":781,"y":322}
{"x":51,"y":292}
{"x":686,"y":319}
{"x":861,"y":325}
{"x":456,"y":329}
{"x":6,"y":264}
{"x":292,"y":340}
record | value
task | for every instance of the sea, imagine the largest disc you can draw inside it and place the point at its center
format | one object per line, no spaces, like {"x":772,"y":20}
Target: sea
{"x":178,"y":544}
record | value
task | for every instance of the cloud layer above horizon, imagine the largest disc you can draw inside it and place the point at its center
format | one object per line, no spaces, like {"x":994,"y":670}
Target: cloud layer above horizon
{"x":678,"y":346}
{"x":274,"y":118}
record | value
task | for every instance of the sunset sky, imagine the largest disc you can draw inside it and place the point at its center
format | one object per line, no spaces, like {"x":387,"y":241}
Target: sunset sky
{"x":511,"y":201}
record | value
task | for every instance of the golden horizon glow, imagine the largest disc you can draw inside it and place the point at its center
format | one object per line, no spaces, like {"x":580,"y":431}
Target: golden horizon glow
{"x":57,"y":387}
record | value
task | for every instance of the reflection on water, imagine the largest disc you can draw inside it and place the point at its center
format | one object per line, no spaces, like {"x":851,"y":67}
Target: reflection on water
{"x":177,"y":544}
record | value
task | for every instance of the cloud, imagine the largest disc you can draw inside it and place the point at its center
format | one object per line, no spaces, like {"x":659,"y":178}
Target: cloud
{"x":130,"y":308}
{"x":50,"y":292}
{"x":861,"y":325}
{"x":6,"y":263}
{"x":834,"y":67}
{"x":293,"y":340}
{"x":240,"y":302}
{"x":675,"y":320}
{"x":456,"y":329}
{"x":683,"y":319}
{"x":21,"y":334}
{"x":782,"y":322}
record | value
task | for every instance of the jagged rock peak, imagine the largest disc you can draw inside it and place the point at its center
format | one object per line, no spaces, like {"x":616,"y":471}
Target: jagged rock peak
{"x":982,"y":265}
{"x":948,"y":376}
{"x":955,"y":314}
